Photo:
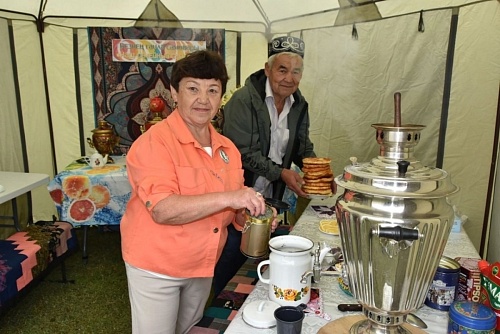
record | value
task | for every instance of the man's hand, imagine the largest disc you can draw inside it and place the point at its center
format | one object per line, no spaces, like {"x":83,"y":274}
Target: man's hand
{"x":293,"y":181}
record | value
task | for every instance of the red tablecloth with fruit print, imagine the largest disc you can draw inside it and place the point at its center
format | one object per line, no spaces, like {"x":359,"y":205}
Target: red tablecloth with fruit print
{"x":91,"y":196}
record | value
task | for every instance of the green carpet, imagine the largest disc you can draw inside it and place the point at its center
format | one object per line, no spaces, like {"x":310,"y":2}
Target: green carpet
{"x":96,"y":303}
{"x":224,"y":307}
{"x":98,"y":300}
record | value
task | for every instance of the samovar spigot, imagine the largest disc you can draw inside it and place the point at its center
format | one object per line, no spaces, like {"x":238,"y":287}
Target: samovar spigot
{"x":316,"y":272}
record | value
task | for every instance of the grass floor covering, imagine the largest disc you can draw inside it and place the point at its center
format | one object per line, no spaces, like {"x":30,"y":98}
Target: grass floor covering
{"x":97,"y":301}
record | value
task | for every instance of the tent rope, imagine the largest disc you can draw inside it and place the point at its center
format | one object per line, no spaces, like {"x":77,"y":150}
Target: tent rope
{"x":354,"y":32}
{"x":421,"y":26}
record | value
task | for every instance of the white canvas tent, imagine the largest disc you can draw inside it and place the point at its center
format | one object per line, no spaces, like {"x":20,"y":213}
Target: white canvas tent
{"x":448,"y":75}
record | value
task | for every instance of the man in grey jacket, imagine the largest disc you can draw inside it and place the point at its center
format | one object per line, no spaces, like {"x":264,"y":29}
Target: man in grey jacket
{"x":268,"y":120}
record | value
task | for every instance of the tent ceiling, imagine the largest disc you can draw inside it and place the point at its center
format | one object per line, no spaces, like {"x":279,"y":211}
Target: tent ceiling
{"x":265,"y":16}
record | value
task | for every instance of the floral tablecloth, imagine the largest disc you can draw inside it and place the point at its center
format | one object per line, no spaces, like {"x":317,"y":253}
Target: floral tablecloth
{"x":91,"y":196}
{"x":331,"y":294}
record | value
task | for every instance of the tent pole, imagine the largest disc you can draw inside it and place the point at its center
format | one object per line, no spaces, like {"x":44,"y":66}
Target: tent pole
{"x":238,"y":59}
{"x":47,"y":98}
{"x":447,"y":88}
{"x":78,"y":96}
{"x":22,"y":133}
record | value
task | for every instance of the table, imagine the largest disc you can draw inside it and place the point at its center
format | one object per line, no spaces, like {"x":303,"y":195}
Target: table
{"x":15,"y":184}
{"x":86,"y":196}
{"x":458,"y":244}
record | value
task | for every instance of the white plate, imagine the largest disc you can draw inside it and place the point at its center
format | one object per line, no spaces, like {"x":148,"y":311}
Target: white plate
{"x":314,"y":196}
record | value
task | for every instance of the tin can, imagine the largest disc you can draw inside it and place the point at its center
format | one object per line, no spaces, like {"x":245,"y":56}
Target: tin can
{"x":471,"y":318}
{"x":256,"y":234}
{"x":442,"y":290}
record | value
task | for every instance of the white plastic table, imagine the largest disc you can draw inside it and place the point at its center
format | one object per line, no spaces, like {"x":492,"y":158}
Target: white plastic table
{"x":15,"y":184}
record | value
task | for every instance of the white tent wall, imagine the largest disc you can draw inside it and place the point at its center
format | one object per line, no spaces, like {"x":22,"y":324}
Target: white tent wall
{"x":34,"y":109}
{"x":58,"y":46}
{"x":34,"y":115}
{"x":10,"y":143}
{"x":361,"y":76}
{"x":11,"y":157}
{"x":472,"y":117}
{"x":349,"y":84}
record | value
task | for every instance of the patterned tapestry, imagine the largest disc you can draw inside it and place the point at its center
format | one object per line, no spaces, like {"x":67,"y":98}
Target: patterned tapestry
{"x":122,"y":90}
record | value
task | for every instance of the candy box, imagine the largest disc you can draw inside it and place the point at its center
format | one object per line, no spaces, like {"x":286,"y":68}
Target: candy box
{"x":469,"y":279}
{"x":490,"y":287}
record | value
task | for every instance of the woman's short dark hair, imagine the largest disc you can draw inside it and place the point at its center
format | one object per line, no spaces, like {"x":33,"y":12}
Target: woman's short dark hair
{"x":202,"y":64}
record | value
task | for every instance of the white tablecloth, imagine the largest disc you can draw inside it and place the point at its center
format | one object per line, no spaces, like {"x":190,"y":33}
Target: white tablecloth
{"x":307,"y":226}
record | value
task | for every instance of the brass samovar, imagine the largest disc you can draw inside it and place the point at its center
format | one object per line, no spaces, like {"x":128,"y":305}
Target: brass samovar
{"x":104,"y":139}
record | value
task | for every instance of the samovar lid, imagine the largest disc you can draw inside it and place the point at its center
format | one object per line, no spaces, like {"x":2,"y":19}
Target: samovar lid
{"x":396,"y":172}
{"x":103,"y":127}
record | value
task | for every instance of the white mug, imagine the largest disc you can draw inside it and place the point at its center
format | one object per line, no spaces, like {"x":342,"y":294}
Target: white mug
{"x":290,"y":258}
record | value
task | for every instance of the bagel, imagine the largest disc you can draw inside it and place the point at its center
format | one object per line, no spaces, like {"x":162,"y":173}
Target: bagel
{"x":318,"y":191}
{"x":319,"y":180}
{"x":318,"y":175}
{"x":307,"y":169}
{"x":317,"y":187}
{"x":316,"y":161}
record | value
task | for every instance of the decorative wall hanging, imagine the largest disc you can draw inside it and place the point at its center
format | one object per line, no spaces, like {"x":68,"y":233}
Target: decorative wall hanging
{"x":137,"y":70}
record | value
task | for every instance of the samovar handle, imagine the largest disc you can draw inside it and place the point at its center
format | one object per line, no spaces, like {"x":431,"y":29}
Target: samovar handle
{"x":397,"y":233}
{"x":91,"y":144}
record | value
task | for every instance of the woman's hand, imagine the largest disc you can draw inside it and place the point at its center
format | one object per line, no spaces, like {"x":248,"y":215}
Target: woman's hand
{"x":248,"y":198}
{"x":241,"y":219}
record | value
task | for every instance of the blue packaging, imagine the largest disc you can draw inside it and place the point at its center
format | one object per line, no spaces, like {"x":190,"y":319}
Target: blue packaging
{"x":442,"y":290}
{"x":466,"y":317}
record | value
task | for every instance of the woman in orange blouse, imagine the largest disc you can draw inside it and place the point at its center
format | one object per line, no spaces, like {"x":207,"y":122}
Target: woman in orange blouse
{"x":187,"y":187}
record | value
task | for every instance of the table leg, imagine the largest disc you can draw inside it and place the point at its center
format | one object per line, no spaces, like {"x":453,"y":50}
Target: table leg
{"x":84,"y":251}
{"x":14,"y":217}
{"x":30,"y":209}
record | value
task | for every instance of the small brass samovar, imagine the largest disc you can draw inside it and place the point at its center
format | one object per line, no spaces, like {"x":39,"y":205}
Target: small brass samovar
{"x":104,"y":138}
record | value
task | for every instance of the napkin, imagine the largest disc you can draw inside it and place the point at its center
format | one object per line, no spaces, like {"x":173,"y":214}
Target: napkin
{"x":315,"y":306}
{"x":323,"y":211}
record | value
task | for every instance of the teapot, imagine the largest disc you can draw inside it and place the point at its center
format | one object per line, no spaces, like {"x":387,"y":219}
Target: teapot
{"x":96,"y":160}
{"x":290,"y":259}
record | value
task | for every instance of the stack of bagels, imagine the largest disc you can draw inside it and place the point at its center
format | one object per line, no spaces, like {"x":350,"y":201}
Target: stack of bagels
{"x":318,"y":176}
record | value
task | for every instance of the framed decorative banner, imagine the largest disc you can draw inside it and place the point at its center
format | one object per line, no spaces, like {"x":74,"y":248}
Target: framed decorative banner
{"x":155,"y":51}
{"x":131,"y":66}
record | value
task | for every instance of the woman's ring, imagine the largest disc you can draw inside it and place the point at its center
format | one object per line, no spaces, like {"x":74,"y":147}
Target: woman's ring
{"x":258,"y":194}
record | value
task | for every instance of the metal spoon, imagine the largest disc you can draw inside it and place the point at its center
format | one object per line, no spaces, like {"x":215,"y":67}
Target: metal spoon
{"x":410,"y":318}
